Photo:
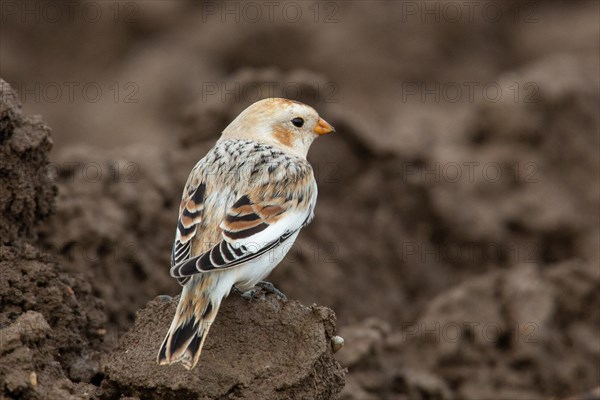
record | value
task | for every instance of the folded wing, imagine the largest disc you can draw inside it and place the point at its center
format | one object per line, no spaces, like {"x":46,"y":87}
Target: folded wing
{"x":252,"y":226}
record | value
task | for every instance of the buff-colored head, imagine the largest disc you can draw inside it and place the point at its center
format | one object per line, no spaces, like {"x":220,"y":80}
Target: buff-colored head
{"x":280,"y":122}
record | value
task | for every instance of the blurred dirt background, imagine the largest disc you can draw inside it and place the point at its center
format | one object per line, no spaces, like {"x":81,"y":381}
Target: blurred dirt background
{"x":457,"y":230}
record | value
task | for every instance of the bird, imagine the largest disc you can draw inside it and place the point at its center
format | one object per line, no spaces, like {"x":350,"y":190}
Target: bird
{"x":242,"y":208}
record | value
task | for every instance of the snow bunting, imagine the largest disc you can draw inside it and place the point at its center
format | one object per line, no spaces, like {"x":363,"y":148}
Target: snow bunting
{"x":243,"y":206}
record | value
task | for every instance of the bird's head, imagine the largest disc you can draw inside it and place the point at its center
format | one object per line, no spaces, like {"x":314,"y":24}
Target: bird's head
{"x":281,"y":122}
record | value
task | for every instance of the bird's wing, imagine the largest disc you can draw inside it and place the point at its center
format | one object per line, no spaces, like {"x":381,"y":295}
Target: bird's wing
{"x":253,"y":225}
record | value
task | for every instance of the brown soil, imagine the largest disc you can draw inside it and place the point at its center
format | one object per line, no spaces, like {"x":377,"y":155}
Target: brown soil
{"x":482,"y":285}
{"x":283,"y":351}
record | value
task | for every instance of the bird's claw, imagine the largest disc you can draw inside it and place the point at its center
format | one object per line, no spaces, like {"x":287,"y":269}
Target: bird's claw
{"x":269,"y":288}
{"x":247,"y":295}
{"x":250,"y":294}
{"x":255,"y":292}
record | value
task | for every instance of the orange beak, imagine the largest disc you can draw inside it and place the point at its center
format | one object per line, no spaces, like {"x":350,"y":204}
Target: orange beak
{"x":323,"y":127}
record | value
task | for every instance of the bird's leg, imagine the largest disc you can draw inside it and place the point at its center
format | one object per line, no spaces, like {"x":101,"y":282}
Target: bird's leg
{"x":269,"y":288}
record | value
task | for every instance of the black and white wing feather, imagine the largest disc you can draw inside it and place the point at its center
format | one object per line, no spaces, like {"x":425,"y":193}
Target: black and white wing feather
{"x":251,"y":228}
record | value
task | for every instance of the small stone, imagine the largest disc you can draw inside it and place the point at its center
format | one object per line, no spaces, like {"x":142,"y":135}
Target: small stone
{"x":337,"y":342}
{"x":164,"y":298}
{"x":33,"y":378}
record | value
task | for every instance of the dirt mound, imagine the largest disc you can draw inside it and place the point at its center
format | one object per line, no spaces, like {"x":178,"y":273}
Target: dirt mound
{"x":535,"y":218}
{"x":521,"y":327}
{"x":265,"y":348}
{"x":26,"y":193}
{"x":51,"y":325}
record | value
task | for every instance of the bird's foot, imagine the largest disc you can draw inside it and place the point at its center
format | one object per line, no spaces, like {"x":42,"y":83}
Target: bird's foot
{"x":269,"y":288}
{"x":248,"y":294}
{"x":258,"y":289}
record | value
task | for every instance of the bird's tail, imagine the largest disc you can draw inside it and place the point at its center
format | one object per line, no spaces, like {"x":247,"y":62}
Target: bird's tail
{"x":195,"y":313}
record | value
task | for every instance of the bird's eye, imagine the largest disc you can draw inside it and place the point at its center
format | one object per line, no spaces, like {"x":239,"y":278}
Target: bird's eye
{"x":298,"y":122}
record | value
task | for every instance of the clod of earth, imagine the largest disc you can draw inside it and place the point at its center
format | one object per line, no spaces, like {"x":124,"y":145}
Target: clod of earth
{"x":266,"y":348}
